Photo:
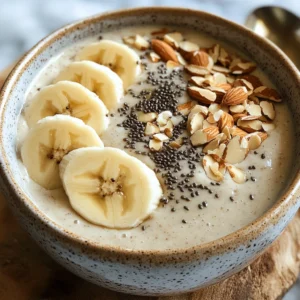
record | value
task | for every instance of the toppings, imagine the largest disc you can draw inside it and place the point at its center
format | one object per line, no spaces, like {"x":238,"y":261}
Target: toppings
{"x":164,"y":50}
{"x":235,"y":96}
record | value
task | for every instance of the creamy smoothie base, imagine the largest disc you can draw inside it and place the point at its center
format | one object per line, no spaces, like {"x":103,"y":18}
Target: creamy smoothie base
{"x":205,"y":210}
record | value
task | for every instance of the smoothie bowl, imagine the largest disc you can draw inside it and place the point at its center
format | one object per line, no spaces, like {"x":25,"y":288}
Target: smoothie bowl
{"x":152,"y":151}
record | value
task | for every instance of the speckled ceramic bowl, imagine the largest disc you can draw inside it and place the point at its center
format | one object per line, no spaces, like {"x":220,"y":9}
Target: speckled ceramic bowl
{"x":148,"y":272}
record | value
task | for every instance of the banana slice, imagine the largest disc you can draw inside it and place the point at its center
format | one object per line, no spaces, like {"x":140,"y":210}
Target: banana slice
{"x":119,"y":58}
{"x":48,"y":141}
{"x":68,"y":98}
{"x":98,"y":79}
{"x":108,"y":187}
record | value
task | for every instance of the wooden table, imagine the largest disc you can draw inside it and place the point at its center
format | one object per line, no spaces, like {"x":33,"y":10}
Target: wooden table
{"x":27,"y":273}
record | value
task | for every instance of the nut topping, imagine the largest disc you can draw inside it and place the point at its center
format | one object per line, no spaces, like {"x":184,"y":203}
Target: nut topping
{"x":165,"y":51}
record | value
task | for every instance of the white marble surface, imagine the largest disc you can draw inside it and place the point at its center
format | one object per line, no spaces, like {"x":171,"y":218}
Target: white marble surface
{"x":25,"y":22}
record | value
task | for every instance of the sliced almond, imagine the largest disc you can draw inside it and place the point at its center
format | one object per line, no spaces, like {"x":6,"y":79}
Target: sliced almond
{"x":172,"y":64}
{"x":160,"y":137}
{"x":254,"y":141}
{"x":236,"y":174}
{"x":243,"y":82}
{"x":211,"y":168}
{"x":220,"y":69}
{"x":129,"y":40}
{"x":237,"y":109}
{"x":254,"y":80}
{"x":180,"y":59}
{"x":214,"y":107}
{"x":168,"y":132}
{"x":236,"y":117}
{"x":206,"y":124}
{"x":185,"y":108}
{"x":214,"y":52}
{"x":165,"y":51}
{"x":219,"y":92}
{"x":263,"y":119}
{"x":176,"y":144}
{"x":226,"y":132}
{"x":268,"y":109}
{"x":235,"y":131}
{"x":151,"y":129}
{"x":235,"y":96}
{"x":195,"y":123}
{"x":141,"y":43}
{"x":242,"y":68}
{"x":219,"y":79}
{"x":173,"y":39}
{"x":225,"y":86}
{"x":199,"y":81}
{"x":196,"y":70}
{"x":146,"y":117}
{"x":212,"y":145}
{"x":249,"y":118}
{"x":253,"y":110}
{"x":203,"y":136}
{"x":234,"y":153}
{"x":163,"y":118}
{"x":250,"y":126}
{"x":203,"y":96}
{"x":198,"y":109}
{"x":263,"y":135}
{"x":168,"y":125}
{"x":254,"y":99}
{"x":224,"y":57}
{"x":230,"y":79}
{"x":201,"y":58}
{"x":226,"y":120}
{"x":160,"y":31}
{"x":154,"y":57}
{"x":155,"y":145}
{"x":267,"y":127}
{"x":215,"y":117}
{"x":267,"y":93}
{"x":217,"y":153}
{"x":187,"y":49}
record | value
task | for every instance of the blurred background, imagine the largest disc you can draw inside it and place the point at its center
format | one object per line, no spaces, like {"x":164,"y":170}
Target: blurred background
{"x":24,"y":22}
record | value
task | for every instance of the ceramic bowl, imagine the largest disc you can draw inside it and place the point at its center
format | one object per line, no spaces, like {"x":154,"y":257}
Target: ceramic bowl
{"x":148,"y":272}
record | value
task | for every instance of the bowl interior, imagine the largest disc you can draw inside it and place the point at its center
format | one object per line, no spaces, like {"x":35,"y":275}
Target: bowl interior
{"x":272,"y":62}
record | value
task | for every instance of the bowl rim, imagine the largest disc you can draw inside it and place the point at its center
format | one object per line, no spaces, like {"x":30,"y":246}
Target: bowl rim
{"x":220,"y":245}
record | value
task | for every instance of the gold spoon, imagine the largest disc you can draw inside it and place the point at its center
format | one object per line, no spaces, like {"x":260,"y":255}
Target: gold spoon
{"x":280,"y":26}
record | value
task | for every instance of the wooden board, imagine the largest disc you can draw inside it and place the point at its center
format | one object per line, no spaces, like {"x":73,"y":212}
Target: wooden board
{"x":27,"y":273}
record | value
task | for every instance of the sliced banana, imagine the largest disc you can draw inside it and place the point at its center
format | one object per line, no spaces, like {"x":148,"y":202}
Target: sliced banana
{"x":48,"y":141}
{"x":118,"y":57}
{"x":98,"y":79}
{"x":108,"y":187}
{"x":68,"y":98}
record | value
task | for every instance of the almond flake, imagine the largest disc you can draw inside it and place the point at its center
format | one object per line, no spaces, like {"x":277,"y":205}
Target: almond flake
{"x":250,"y":126}
{"x":263,"y":135}
{"x":236,"y":117}
{"x":195,"y":122}
{"x":226,"y":131}
{"x":236,"y":174}
{"x":235,"y":131}
{"x":199,"y":81}
{"x":219,"y":78}
{"x":165,"y":51}
{"x":234,"y":152}
{"x":249,"y":118}
{"x":173,"y":39}
{"x":237,"y":109}
{"x":217,"y":153}
{"x":185,"y":108}
{"x":254,"y":141}
{"x":243,"y":82}
{"x":230,"y":79}
{"x":151,"y":129}
{"x":199,"y":109}
{"x":220,"y":69}
{"x":163,"y":118}
{"x":267,"y":127}
{"x":155,"y":145}
{"x":187,"y":49}
{"x":225,"y":86}
{"x":214,"y":107}
{"x":168,"y":132}
{"x":180,"y":59}
{"x":160,"y":137}
{"x":168,"y":125}
{"x":254,"y":80}
{"x":204,"y":96}
{"x":154,"y":57}
{"x":254,"y":99}
{"x":214,"y":52}
{"x":268,"y":109}
{"x":172,"y":64}
{"x":211,"y":168}
{"x":226,"y":120}
{"x":177,"y":143}
{"x":212,"y":145}
{"x":146,"y":117}
{"x":196,"y":70}
{"x":235,"y":96}
{"x":140,"y":43}
{"x":242,"y":68}
{"x":253,"y":110}
{"x":203,"y":136}
{"x":224,"y":57}
{"x":267,"y":93}
{"x":219,"y":92}
{"x":129,"y":40}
